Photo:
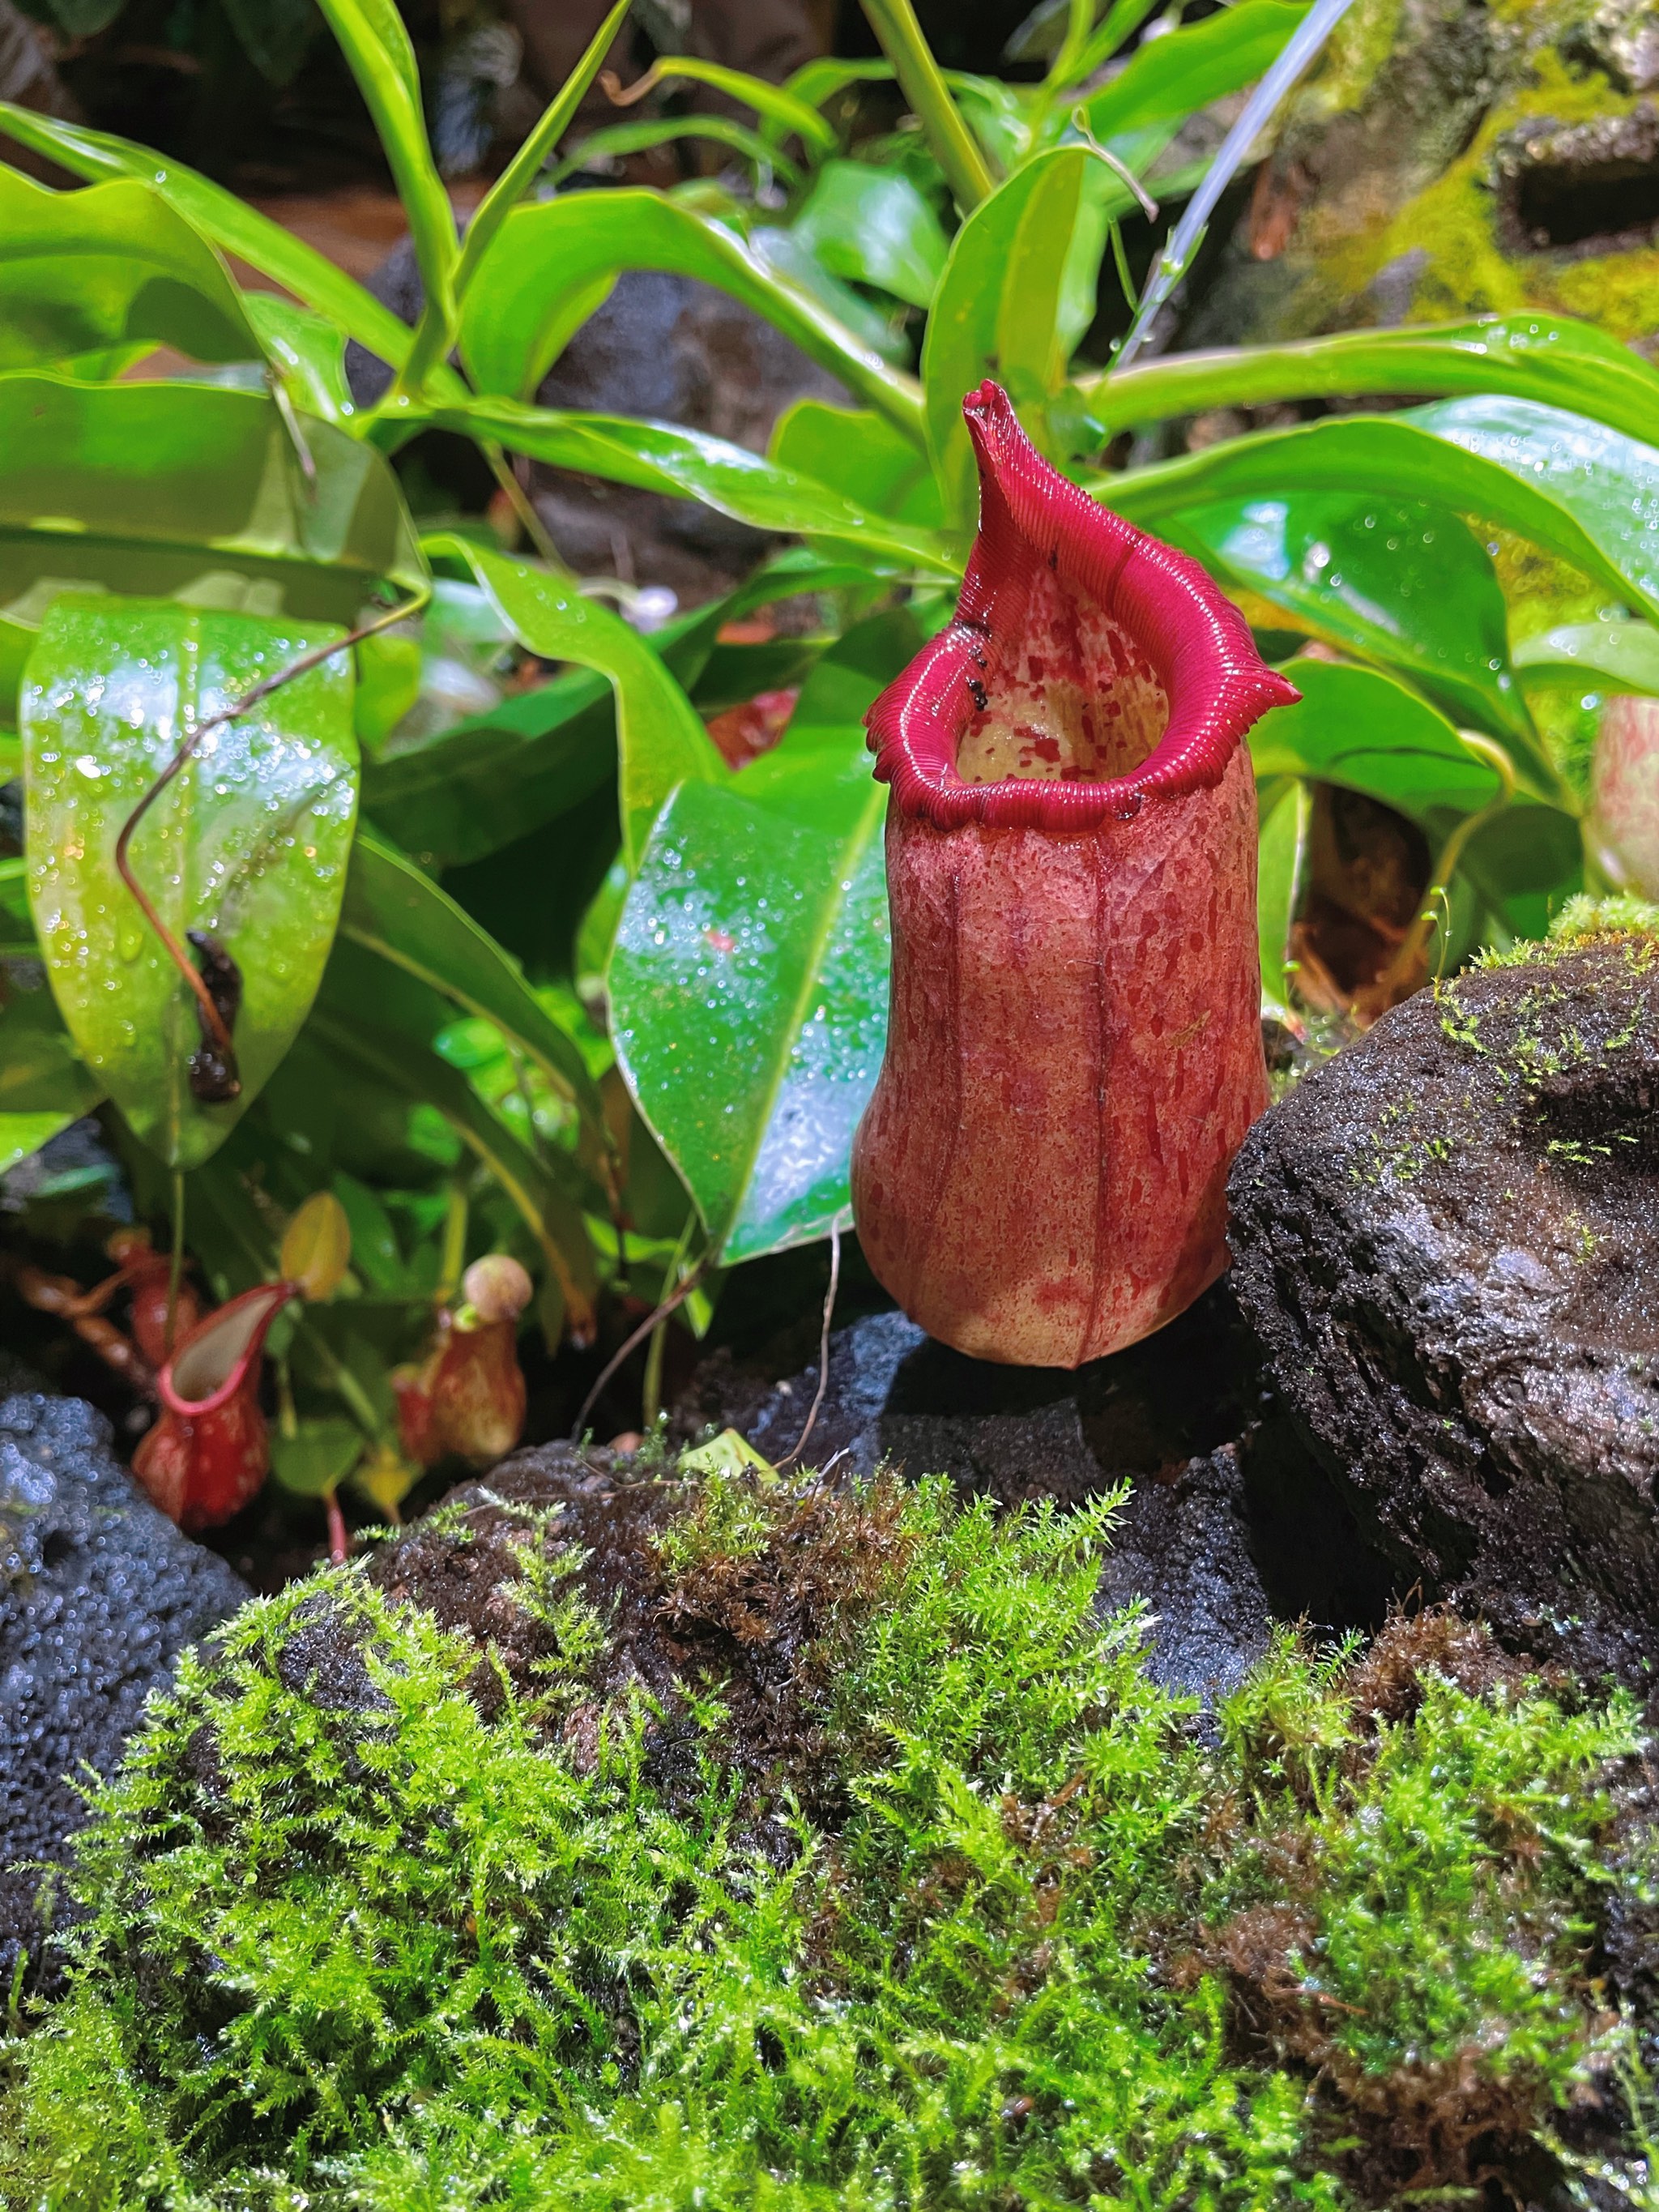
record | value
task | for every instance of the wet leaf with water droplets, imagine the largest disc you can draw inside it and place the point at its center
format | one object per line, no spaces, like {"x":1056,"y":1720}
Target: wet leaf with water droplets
{"x":748,"y":980}
{"x":248,"y":844}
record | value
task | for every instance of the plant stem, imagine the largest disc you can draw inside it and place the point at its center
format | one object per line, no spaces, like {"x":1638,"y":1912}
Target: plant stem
{"x":823,"y":1347}
{"x":454,"y":1263}
{"x":632,"y":1343}
{"x":523,"y":506}
{"x":1416,"y":939}
{"x":176,"y":1259}
{"x":955,"y":148}
{"x":522,"y":170}
{"x":339,"y":1539}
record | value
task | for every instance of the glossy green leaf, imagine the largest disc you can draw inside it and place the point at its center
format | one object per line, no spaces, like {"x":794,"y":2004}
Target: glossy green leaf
{"x":194,"y":490}
{"x":1406,"y":585}
{"x":372,"y":38}
{"x":317,"y":1458}
{"x":308,"y":352}
{"x":1606,"y":481}
{"x":998,"y":311}
{"x":248,"y":842}
{"x":618,"y":139}
{"x":21,"y":1135}
{"x":861,"y":455}
{"x":661,"y":742}
{"x":232,"y":226}
{"x":1186,"y":69}
{"x":85,"y":273}
{"x":1365,"y":731}
{"x":545,"y":1202}
{"x":465,"y":793}
{"x":16,"y":923}
{"x":760,"y":910}
{"x":394,"y":910}
{"x":1281,"y":870}
{"x":40,"y":1071}
{"x":819,"y":81}
{"x":528,"y":162}
{"x":1528,"y":357}
{"x":1575,"y":516}
{"x":874,"y":226}
{"x":17,"y":643}
{"x":1623,"y":655}
{"x":776,"y":103}
{"x":544,"y":251}
{"x":749,"y":1006}
{"x":878,"y":328}
{"x":690,"y":464}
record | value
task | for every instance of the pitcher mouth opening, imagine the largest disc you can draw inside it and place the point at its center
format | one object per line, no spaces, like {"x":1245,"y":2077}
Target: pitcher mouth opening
{"x":1088,"y":667}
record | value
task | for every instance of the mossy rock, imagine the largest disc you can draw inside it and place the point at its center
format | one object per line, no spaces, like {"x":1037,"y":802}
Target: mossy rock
{"x":1450,"y":159}
{"x":722,"y":1841}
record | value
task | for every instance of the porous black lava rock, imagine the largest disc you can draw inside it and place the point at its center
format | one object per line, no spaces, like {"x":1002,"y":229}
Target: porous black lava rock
{"x":99,"y":1594}
{"x":1447,"y":1240}
{"x":1227,"y":1524}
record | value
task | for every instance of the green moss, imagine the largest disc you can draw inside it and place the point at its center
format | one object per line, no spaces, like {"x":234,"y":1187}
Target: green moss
{"x":1453,"y":220}
{"x":372,"y":1924}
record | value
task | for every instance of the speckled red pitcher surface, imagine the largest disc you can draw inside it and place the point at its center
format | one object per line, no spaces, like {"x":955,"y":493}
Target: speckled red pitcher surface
{"x":1074,"y":1051}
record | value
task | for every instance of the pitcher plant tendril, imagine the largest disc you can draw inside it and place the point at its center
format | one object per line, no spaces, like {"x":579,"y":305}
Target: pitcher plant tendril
{"x":214,"y":1075}
{"x":1074,"y":1049}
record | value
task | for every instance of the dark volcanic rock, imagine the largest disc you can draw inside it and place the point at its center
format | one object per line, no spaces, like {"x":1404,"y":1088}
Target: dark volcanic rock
{"x":1447,"y":1241}
{"x":99,"y":1593}
{"x":1216,"y":1536}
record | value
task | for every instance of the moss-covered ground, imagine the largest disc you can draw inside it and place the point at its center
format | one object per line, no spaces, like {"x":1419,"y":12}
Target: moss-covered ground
{"x":835,"y":1852}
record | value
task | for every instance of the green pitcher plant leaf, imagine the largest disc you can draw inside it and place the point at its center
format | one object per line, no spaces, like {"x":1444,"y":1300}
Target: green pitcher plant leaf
{"x":110,"y":270}
{"x":376,"y":44}
{"x":308,"y":351}
{"x":749,"y":976}
{"x":247,"y":847}
{"x":192,"y":490}
{"x":1524,"y":476}
{"x":1186,"y":69}
{"x":395,"y":911}
{"x":690,"y":464}
{"x":1281,"y":868}
{"x":1608,"y":483}
{"x":748,"y":996}
{"x":872,"y":225}
{"x":998,"y":311}
{"x":40,"y":1071}
{"x":21,"y":1135}
{"x":513,"y":322}
{"x":526,"y":165}
{"x":16,"y":923}
{"x":231,"y":224}
{"x":1622,"y":655}
{"x":661,"y":740}
{"x":1527,"y":356}
{"x":464,"y":793}
{"x":861,"y":455}
{"x":1403,"y":584}
{"x":1357,"y":727}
